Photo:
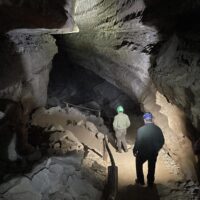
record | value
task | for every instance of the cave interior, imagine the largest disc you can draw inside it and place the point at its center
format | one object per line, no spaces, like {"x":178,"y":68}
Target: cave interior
{"x":65,"y":67}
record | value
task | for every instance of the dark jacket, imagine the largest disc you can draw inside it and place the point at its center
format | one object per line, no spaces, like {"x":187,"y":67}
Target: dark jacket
{"x":149,"y":140}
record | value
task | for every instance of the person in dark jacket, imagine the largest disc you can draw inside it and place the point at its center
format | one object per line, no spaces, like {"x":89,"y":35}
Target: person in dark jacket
{"x":149,"y":140}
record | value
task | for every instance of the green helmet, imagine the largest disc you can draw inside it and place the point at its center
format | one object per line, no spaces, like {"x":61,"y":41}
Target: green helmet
{"x":120,"y":109}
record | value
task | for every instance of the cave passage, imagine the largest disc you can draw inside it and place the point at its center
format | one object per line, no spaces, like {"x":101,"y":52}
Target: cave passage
{"x":76,"y":85}
{"x":66,"y":65}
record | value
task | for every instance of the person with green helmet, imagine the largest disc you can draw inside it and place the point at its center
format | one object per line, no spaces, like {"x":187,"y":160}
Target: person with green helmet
{"x":120,"y":124}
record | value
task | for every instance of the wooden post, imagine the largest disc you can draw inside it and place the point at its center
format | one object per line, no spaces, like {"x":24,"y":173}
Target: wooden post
{"x":112,"y":183}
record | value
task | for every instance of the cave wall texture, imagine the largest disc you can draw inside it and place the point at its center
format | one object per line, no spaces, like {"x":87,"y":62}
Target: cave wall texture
{"x":112,"y":46}
{"x":176,"y":74}
{"x":25,"y":65}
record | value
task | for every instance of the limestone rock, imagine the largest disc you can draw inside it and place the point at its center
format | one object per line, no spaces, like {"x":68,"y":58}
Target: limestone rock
{"x":91,"y":127}
{"x":54,"y":110}
{"x":1,"y":115}
{"x":55,"y":178}
{"x":12,"y":154}
{"x":63,"y":142}
{"x":80,"y":123}
{"x":59,"y":128}
{"x":28,"y":67}
{"x":114,"y":53}
{"x":93,"y":164}
{"x":23,"y":190}
{"x":100,"y":136}
{"x":34,"y":156}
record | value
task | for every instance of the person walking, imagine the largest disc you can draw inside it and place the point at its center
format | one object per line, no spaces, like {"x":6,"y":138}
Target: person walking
{"x":120,"y":124}
{"x":149,"y":140}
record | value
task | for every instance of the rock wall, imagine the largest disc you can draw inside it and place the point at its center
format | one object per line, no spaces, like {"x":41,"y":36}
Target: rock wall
{"x":113,"y":43}
{"x":176,"y":74}
{"x":37,"y":16}
{"x":25,"y":65}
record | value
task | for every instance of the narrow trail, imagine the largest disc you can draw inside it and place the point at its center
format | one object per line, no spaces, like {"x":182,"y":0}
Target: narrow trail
{"x":127,"y":189}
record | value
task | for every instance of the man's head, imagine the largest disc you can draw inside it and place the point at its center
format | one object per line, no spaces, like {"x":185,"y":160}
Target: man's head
{"x":148,"y":117}
{"x":120,"y":109}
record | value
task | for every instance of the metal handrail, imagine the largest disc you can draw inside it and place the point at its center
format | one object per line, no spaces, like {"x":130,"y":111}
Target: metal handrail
{"x":83,"y":107}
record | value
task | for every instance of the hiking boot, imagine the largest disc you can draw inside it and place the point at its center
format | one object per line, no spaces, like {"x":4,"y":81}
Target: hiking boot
{"x":139,"y":182}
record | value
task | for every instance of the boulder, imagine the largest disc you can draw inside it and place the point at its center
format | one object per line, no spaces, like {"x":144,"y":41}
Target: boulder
{"x":91,"y":127}
{"x":100,"y":136}
{"x":63,"y":142}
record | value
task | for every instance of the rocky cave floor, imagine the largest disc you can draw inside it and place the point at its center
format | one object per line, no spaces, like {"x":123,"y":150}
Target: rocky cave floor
{"x":68,"y":163}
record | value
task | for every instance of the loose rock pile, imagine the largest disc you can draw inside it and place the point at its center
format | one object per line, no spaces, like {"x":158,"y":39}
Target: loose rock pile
{"x":57,"y":178}
{"x":187,"y":190}
{"x":73,"y":170}
{"x":63,"y":142}
{"x":170,"y":163}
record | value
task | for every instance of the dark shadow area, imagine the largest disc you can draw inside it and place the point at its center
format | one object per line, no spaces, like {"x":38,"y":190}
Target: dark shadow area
{"x":79,"y":86}
{"x":32,"y":14}
{"x":14,"y":122}
{"x":136,"y":192}
{"x":195,"y":139}
{"x":11,"y":66}
{"x":172,"y":16}
{"x":39,"y":139}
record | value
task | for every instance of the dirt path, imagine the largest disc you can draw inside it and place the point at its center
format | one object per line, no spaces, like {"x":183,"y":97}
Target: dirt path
{"x":166,"y":177}
{"x":127,"y":189}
